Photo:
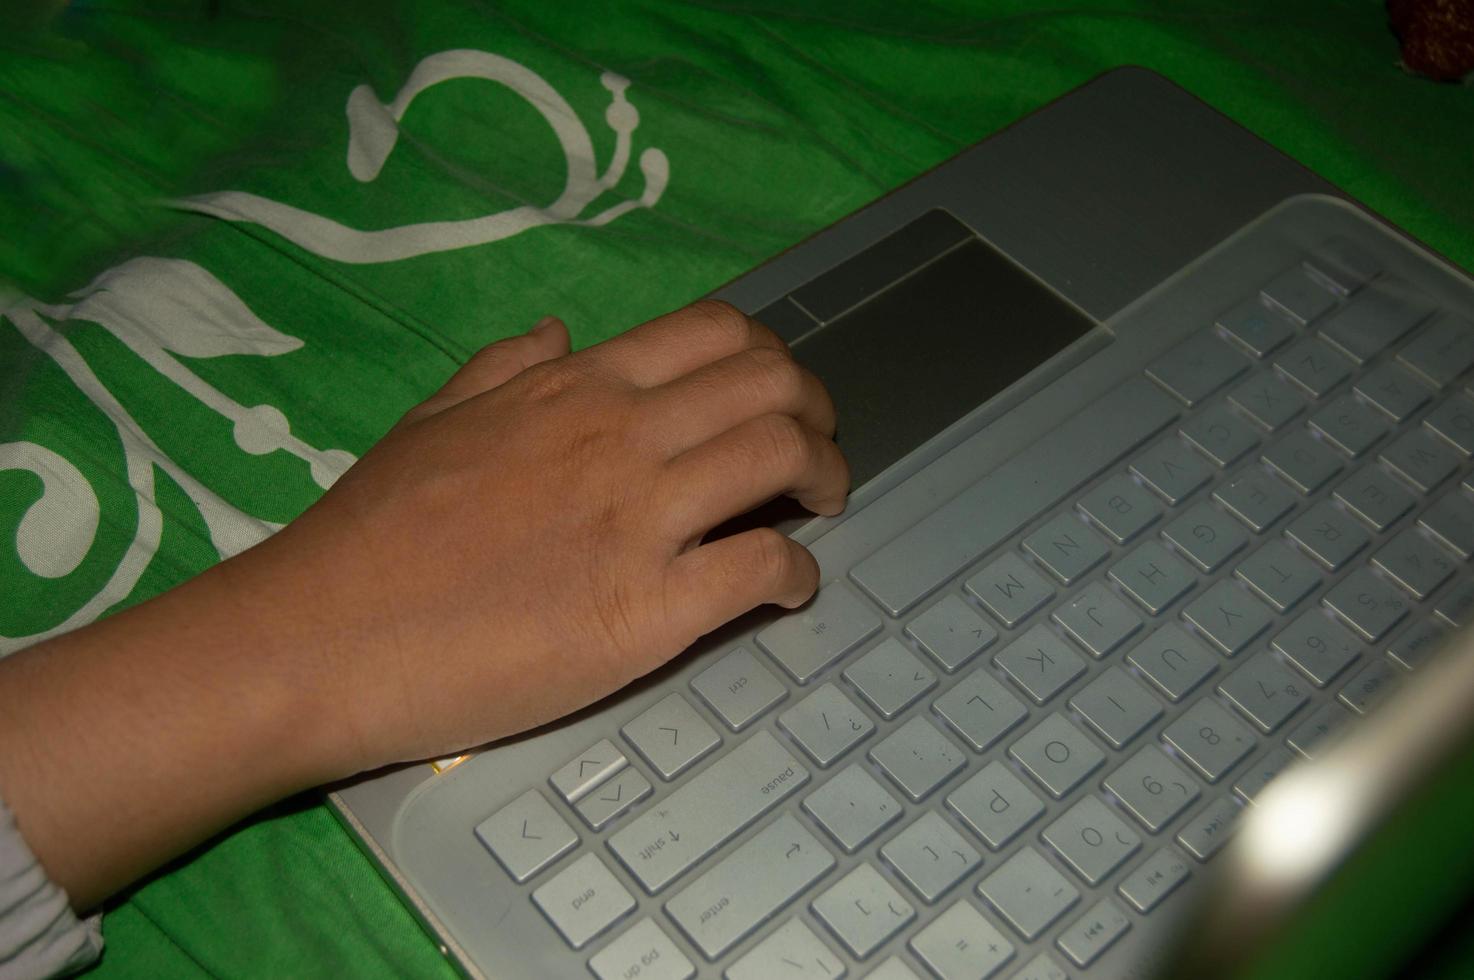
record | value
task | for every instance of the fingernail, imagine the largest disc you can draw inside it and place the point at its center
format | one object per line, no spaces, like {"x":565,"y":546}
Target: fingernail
{"x":544,"y":324}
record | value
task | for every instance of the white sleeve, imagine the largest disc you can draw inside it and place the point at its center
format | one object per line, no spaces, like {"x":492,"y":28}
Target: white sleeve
{"x":39,"y":934}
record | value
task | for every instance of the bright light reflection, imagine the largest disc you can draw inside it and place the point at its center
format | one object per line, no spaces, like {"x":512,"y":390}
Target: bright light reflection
{"x":1300,"y":825}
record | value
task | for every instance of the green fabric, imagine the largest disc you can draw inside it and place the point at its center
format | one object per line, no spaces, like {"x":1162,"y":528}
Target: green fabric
{"x":775,"y":118}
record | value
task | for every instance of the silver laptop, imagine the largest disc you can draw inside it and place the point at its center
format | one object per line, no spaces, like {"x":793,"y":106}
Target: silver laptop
{"x":1159,"y":447}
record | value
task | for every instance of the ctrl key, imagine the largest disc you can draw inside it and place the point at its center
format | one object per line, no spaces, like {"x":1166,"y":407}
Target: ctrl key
{"x":644,"y":952}
{"x":583,"y":900}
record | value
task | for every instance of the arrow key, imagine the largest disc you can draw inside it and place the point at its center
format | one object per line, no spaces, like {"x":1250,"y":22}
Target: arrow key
{"x":526,"y":835}
{"x":613,"y":798}
{"x":671,"y":735}
{"x":587,"y":770}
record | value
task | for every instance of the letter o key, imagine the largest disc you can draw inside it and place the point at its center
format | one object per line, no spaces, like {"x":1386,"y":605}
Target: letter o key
{"x":1056,"y":751}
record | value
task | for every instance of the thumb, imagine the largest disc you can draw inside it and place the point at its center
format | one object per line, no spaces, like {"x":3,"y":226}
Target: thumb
{"x":496,"y":364}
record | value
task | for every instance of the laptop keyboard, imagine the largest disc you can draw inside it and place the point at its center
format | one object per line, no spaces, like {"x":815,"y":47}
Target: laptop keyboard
{"x":1009,"y":734}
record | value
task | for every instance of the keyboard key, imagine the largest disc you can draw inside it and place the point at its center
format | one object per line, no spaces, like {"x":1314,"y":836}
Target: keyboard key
{"x":1298,"y":296}
{"x":775,"y":957}
{"x":1197,"y":367}
{"x":980,"y":709}
{"x":827,"y":724}
{"x":1414,"y":562}
{"x":1342,"y":264}
{"x":1421,"y":458}
{"x":1264,"y":691}
{"x":1040,"y":663}
{"x":1173,"y":660}
{"x":1443,"y":351}
{"x":749,"y":885}
{"x":1374,"y":320}
{"x":890,"y":677}
{"x":1153,"y":788}
{"x":918,"y":758}
{"x":960,"y":944}
{"x":1209,"y":738}
{"x":1116,"y":706}
{"x":1094,"y":932}
{"x":863,"y":910}
{"x":1228,"y":616}
{"x":671,"y":736}
{"x":1172,"y":470}
{"x":1259,"y":329}
{"x":1370,"y":686}
{"x":1369,"y":605}
{"x":1009,"y":589}
{"x":1219,"y":434}
{"x":1456,"y":606}
{"x":1453,"y":418}
{"x":1121,"y":508}
{"x":971,"y":524}
{"x":1029,"y":893}
{"x":1057,"y":755}
{"x":1328,"y":534}
{"x":892,"y":968}
{"x":1318,"y":645}
{"x":1206,"y":535}
{"x":614,"y":797}
{"x":1313,"y":366}
{"x":1097,"y":620}
{"x":1418,"y":643}
{"x":1375,"y":497}
{"x":1304,"y":461}
{"x":1256,"y":498}
{"x":1318,"y":731}
{"x":590,"y":768}
{"x":645,"y":952}
{"x":526,"y":835}
{"x":583,"y":900}
{"x":807,"y":641}
{"x":930,"y":856}
{"x":1205,"y":834}
{"x":1262,"y":772}
{"x":995,"y":804}
{"x":1154,"y":880}
{"x":951,"y":632}
{"x":1092,"y":840}
{"x":1394,"y":390}
{"x":1451,"y":520}
{"x":1153,"y":576}
{"x":1279,"y":574}
{"x":1067,"y":547}
{"x":739,"y":689}
{"x":1268,"y":400}
{"x":852,"y":807}
{"x":1350,"y":425}
{"x":707,"y":810}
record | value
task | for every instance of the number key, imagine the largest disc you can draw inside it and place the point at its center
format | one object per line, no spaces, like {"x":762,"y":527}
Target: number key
{"x":1209,"y":738}
{"x":1153,"y":788}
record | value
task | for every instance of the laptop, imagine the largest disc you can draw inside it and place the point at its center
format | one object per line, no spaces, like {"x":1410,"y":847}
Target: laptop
{"x":1158,"y":446}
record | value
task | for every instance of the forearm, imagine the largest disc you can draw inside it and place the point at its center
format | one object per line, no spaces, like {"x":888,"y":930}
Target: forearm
{"x":125,"y":743}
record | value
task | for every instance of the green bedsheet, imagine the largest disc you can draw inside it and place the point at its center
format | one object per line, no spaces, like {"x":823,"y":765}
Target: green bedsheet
{"x":757,"y":124}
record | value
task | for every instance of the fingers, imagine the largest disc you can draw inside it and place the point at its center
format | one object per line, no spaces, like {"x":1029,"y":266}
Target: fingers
{"x":719,"y":581}
{"x":670,"y":346}
{"x":496,"y":364}
{"x":754,"y":382}
{"x":750,"y":464}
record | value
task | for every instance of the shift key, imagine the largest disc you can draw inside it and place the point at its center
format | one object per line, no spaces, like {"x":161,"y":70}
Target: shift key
{"x":710,"y":809}
{"x":807,"y":641}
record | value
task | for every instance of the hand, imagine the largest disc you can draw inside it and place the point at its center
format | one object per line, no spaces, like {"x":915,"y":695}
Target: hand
{"x":528,"y":539}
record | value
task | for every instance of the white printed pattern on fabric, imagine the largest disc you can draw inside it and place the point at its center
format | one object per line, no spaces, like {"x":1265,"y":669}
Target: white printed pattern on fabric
{"x":160,"y":307}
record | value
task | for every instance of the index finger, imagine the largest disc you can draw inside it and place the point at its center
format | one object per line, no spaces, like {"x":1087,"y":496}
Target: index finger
{"x":674,"y":345}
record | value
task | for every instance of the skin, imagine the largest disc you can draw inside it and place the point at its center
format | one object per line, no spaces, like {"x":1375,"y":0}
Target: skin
{"x":524,"y":542}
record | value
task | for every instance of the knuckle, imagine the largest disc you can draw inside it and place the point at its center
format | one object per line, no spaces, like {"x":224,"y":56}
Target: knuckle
{"x":772,"y":557}
{"x":777,"y":368}
{"x":726,"y":325}
{"x":784,"y":441}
